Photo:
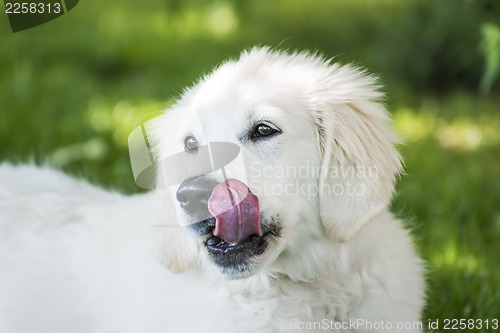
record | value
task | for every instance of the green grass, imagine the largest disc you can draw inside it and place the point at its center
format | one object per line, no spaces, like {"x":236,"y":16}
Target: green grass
{"x":450,"y":193}
{"x":72,"y":90}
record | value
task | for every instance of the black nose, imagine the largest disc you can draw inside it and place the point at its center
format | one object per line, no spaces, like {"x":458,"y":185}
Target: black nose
{"x":193,"y":196}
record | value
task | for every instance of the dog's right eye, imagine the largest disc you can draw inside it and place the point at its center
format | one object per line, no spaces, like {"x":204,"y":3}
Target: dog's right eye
{"x":190,"y":143}
{"x":262,"y":130}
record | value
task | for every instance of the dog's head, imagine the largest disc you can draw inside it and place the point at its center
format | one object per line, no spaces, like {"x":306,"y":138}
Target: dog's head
{"x":308,"y":158}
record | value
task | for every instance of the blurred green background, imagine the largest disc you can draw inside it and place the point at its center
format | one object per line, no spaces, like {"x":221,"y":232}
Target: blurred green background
{"x":71,"y":91}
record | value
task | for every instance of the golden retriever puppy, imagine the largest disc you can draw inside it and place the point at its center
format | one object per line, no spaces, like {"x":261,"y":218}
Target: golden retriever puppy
{"x":272,"y":178}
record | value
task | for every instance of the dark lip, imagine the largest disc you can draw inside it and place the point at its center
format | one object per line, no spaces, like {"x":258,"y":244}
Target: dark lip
{"x":216,"y":244}
{"x":254,"y":244}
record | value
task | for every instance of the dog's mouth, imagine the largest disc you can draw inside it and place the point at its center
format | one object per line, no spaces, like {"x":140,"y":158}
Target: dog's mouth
{"x":236,"y":233}
{"x":239,"y":260}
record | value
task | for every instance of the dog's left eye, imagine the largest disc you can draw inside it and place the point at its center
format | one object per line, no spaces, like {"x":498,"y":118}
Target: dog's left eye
{"x":190,"y":143}
{"x":263,"y":130}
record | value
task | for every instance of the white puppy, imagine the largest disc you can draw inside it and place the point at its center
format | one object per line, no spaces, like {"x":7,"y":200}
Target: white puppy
{"x":284,"y":228}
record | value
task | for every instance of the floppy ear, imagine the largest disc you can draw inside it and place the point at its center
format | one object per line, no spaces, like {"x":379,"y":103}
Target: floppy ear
{"x":359,"y":163}
{"x":172,"y":245}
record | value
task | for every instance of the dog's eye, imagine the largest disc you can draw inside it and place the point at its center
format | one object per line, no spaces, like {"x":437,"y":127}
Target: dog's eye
{"x":263,"y":130}
{"x":190,"y":143}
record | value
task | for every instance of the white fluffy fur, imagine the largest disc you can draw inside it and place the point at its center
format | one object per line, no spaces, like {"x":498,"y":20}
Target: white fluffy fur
{"x":75,"y":258}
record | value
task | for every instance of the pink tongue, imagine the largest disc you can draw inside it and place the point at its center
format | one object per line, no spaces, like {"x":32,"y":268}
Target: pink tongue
{"x":236,"y":210}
